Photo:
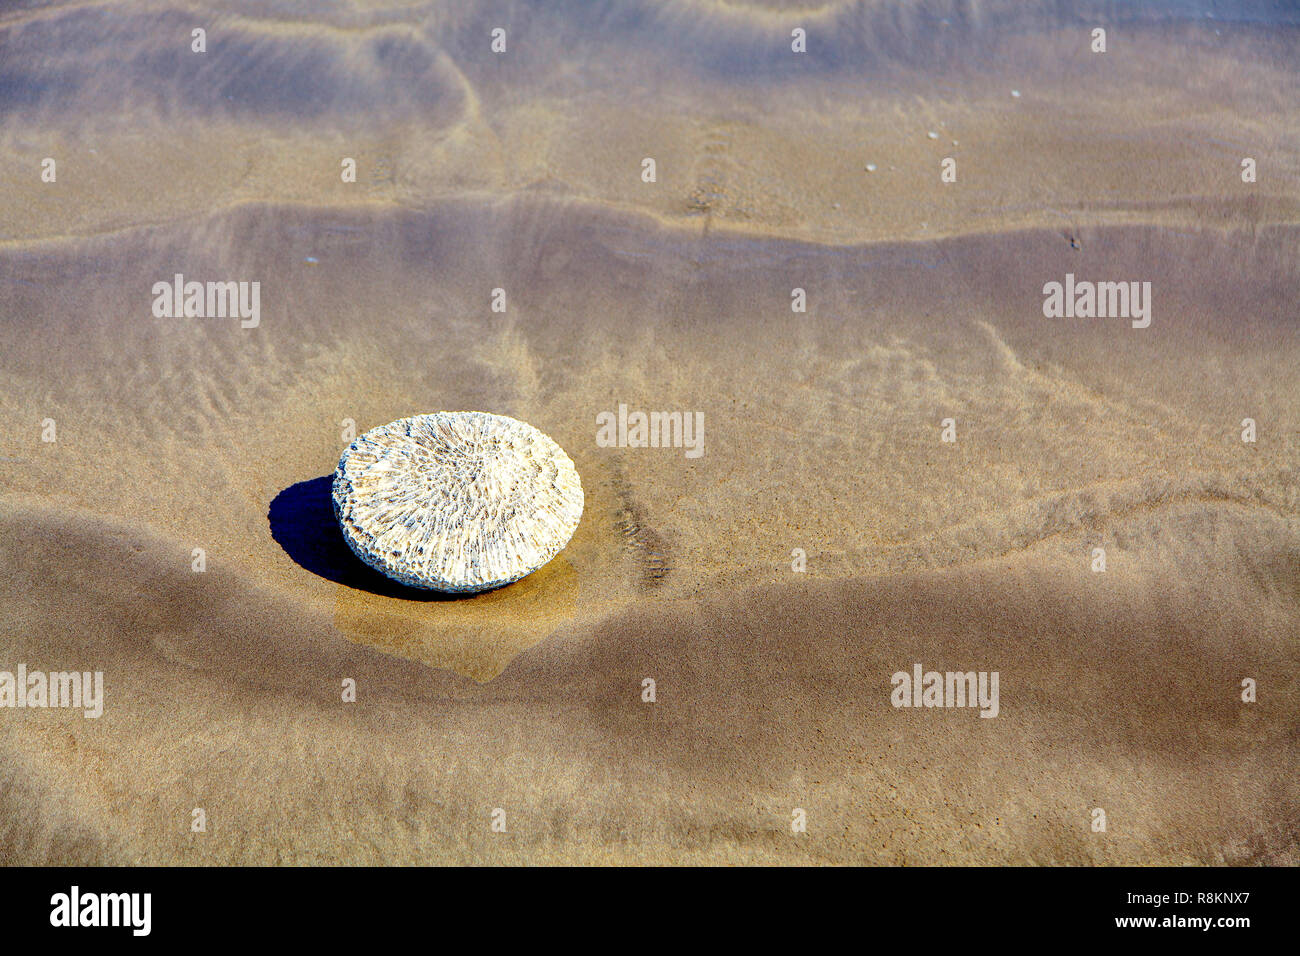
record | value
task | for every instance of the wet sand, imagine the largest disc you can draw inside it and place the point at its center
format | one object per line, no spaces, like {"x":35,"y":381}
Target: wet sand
{"x":1119,"y":690}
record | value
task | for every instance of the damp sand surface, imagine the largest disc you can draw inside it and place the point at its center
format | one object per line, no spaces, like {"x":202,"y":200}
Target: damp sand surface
{"x":1119,"y":690}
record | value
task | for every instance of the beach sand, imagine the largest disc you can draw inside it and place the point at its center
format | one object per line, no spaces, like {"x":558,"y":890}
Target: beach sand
{"x":522,"y":171}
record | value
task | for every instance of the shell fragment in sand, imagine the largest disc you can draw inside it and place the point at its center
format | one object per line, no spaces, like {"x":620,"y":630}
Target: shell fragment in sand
{"x":456,"y":501}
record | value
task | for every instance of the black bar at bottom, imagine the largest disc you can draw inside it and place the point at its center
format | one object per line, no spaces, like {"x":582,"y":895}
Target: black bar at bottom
{"x":332,"y":905}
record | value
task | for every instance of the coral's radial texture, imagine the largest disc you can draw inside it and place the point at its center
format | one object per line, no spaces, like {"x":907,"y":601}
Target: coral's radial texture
{"x":456,"y":501}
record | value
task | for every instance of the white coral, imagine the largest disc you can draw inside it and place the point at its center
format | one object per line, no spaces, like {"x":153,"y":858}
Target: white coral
{"x":456,"y":501}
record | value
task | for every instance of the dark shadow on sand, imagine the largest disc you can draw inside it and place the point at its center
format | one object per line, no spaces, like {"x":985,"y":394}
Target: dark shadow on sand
{"x":303,"y":524}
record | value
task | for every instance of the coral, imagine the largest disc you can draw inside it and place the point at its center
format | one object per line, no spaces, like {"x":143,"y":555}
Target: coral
{"x":456,"y":501}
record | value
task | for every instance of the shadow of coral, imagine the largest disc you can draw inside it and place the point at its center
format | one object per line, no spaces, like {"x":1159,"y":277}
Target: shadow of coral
{"x":303,"y":524}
